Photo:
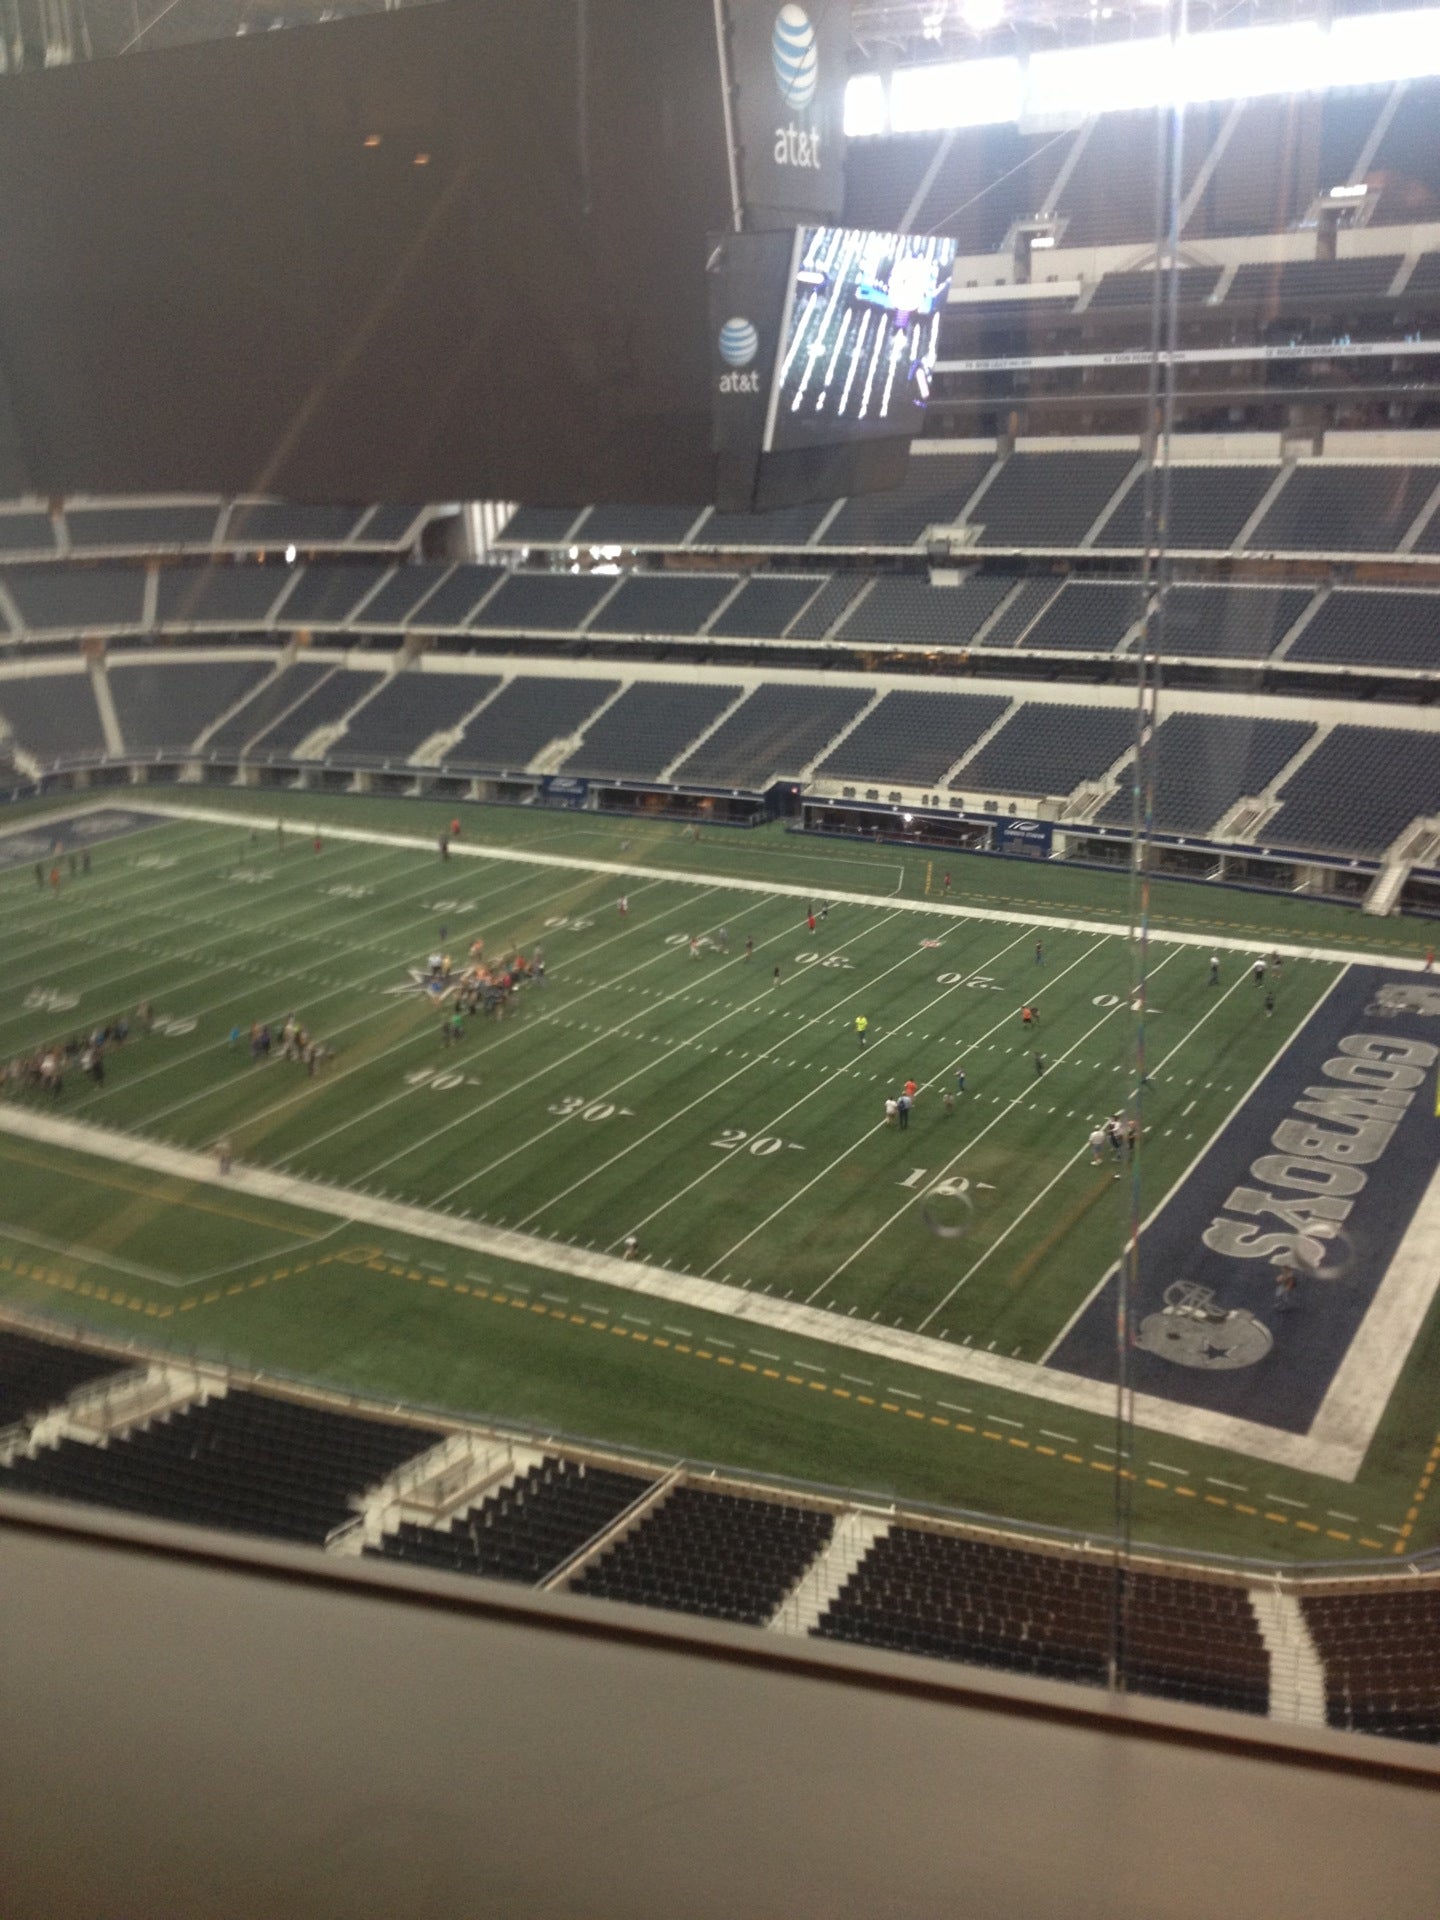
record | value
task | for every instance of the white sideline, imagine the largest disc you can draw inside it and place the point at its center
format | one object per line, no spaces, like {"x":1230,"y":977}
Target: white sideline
{"x":1339,"y":1459}
{"x":935,"y":909}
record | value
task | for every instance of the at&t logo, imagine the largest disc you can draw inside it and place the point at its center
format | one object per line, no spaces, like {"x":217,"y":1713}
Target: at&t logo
{"x":797,"y":72}
{"x":739,"y":344}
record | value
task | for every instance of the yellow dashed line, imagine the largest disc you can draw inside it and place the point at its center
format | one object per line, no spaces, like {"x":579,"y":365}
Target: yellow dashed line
{"x":363,"y":1257}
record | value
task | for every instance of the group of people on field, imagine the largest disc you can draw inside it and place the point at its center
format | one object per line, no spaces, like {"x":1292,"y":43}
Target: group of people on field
{"x":47,"y":1066}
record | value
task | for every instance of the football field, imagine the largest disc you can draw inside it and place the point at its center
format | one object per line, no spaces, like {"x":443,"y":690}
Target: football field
{"x":678,"y":1135}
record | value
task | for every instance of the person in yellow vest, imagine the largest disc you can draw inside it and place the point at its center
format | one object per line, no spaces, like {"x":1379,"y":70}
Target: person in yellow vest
{"x":862,"y":1027}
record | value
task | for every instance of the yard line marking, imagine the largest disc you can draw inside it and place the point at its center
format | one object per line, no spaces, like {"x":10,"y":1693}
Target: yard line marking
{"x":793,"y":891}
{"x":1074,"y":1159}
{"x":702,"y":1099}
{"x":1332,"y":1514}
{"x":353,"y":985}
{"x":601,"y":1033}
{"x":1020,"y":1099}
{"x":1166,"y":1467}
{"x":485,"y":1050}
{"x":1069,"y":1438}
{"x":729,"y":1253}
{"x":901,"y":1394}
{"x":1001,"y":1421}
{"x":1280,"y":1501}
{"x":1231,"y":1486}
{"x":846,"y":998}
{"x":225,"y":929}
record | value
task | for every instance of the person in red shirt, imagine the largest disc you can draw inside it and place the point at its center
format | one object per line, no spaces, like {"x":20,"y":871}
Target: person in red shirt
{"x":455,"y":829}
{"x":810,"y":921}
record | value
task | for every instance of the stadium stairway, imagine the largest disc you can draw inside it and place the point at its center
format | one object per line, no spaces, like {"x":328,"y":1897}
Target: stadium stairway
{"x":1248,"y":816}
{"x":432,"y":750}
{"x":629,"y":1521}
{"x":282,"y":661}
{"x":951,"y":774}
{"x":807,"y":772}
{"x":456,"y":1474}
{"x":856,"y":1532}
{"x":121,"y":1402}
{"x":318,"y":743}
{"x":1297,"y":1673}
{"x":1417,"y":846}
{"x":105,"y":703}
{"x":669,"y":772}
{"x":556,"y":752}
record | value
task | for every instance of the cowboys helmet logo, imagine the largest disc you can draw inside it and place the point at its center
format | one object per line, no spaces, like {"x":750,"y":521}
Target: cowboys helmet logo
{"x":1193,"y":1332}
{"x":1406,"y":996}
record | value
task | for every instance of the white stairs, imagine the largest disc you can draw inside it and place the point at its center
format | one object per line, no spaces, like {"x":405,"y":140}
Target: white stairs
{"x":445,"y":1480}
{"x":856,"y":1532}
{"x":1297,"y":1673}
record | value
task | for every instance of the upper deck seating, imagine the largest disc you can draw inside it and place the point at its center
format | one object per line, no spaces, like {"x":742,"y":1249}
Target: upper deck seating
{"x":1048,"y":499}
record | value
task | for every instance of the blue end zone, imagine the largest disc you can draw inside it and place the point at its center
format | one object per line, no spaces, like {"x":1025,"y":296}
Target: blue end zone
{"x":47,"y":838}
{"x":1328,"y":1192}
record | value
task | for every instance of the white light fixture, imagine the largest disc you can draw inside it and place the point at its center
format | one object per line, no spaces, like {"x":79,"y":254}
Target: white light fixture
{"x":1039,"y":240}
{"x":982,"y":16}
{"x":1356,"y":192}
{"x":289,"y":556}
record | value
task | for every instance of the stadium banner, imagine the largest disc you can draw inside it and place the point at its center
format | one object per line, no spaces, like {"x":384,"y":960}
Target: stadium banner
{"x":1318,"y":1175}
{"x":1024,"y":836}
{"x":787,"y":67}
{"x":747,"y":276}
{"x":565,"y":790}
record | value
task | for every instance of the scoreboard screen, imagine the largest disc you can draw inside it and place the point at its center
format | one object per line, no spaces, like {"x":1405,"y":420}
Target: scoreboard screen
{"x":859,"y":336}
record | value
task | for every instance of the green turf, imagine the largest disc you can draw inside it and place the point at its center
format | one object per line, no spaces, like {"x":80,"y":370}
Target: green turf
{"x":732,"y":1125}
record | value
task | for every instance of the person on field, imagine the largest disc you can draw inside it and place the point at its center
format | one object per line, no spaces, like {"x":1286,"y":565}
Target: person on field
{"x":960,"y":1080}
{"x":1097,"y":1145}
{"x":444,"y":846}
{"x":1214,"y":969}
{"x":904,"y":1103}
{"x":892,"y":1111}
{"x":862,"y":1027}
{"x":749,"y":946}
